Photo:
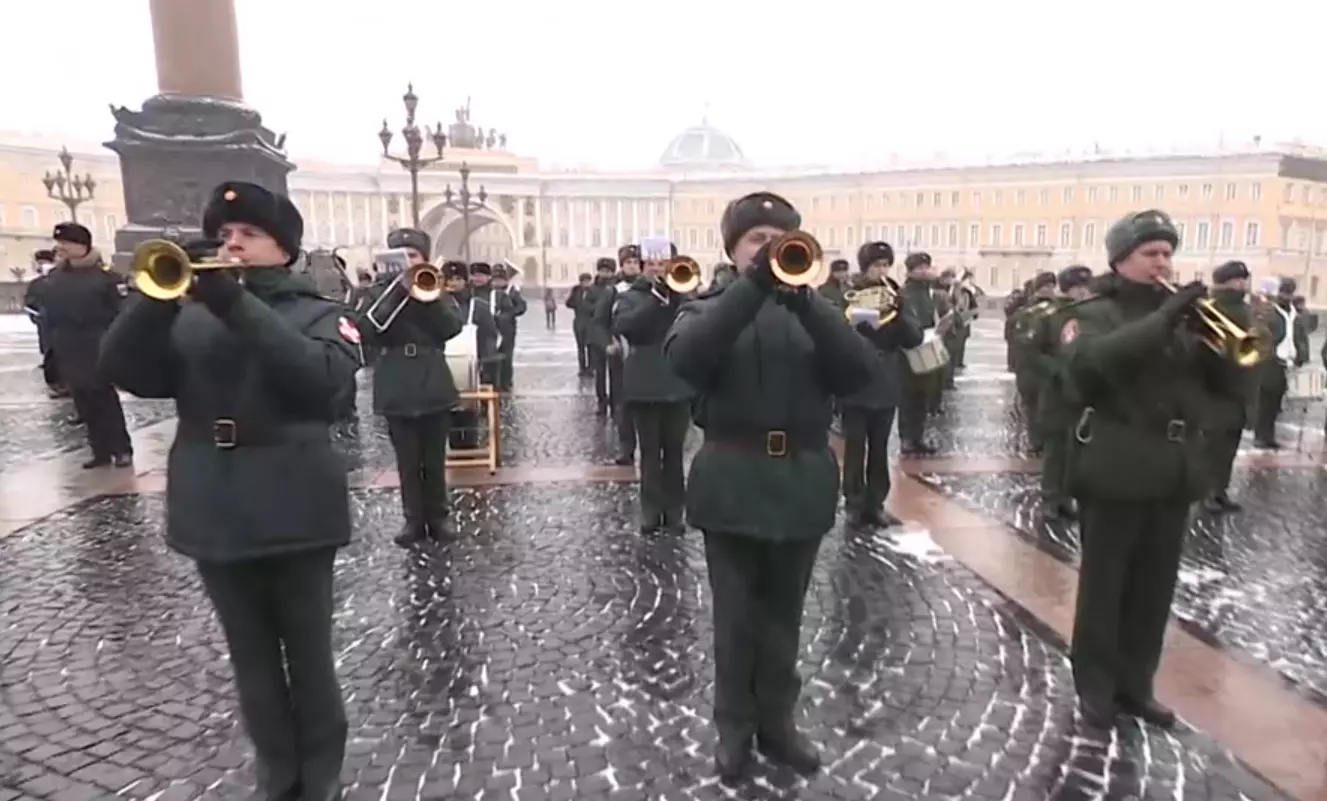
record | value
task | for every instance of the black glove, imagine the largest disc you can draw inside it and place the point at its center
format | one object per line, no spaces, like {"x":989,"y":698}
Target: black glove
{"x":760,"y":271}
{"x":217,"y":290}
{"x":797,"y":299}
{"x":866,"y":329}
{"x":1177,"y":305}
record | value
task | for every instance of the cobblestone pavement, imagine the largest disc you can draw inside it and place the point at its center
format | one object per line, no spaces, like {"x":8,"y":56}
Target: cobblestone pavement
{"x":1254,"y":581}
{"x":551,"y":652}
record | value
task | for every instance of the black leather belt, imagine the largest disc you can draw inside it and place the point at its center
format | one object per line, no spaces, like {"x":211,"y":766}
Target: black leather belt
{"x":774,"y":442}
{"x":410,"y":350}
{"x":225,"y":433}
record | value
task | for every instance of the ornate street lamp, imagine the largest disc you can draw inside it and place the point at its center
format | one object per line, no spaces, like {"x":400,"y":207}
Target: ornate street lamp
{"x":465,"y":203}
{"x":71,"y":190}
{"x":414,"y":137}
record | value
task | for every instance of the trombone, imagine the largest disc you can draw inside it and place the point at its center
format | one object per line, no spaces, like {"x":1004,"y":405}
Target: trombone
{"x":796,"y":259}
{"x":877,"y":305}
{"x":161,"y":269}
{"x":1219,"y":333}
{"x":682,"y":275}
{"x":420,"y":282}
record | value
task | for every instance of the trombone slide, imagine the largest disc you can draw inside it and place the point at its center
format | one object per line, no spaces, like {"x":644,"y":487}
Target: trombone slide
{"x":421,"y":283}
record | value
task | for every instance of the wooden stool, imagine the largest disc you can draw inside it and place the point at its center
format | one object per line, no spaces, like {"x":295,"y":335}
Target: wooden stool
{"x":490,"y":452}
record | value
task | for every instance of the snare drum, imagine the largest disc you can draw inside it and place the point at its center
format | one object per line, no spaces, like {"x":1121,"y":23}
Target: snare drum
{"x":1306,"y":383}
{"x":927,"y":357}
{"x":465,"y":371}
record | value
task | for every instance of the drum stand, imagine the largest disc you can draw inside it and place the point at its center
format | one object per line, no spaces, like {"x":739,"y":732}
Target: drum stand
{"x":489,"y":453}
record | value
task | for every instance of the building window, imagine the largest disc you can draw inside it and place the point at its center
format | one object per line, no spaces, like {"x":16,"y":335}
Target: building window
{"x":998,"y":197}
{"x":1288,"y":196}
{"x":1114,"y":194}
{"x":935,"y":236}
{"x":1020,"y":197}
{"x":1066,"y":235}
{"x":952,"y":240}
{"x":1255,"y":191}
{"x":1184,"y":191}
{"x":111,"y":225}
{"x":917,"y":236}
{"x":1041,"y":235}
{"x":1018,"y":234}
{"x":1200,"y":239}
{"x":1089,"y":235}
{"x":1068,"y":194}
{"x":974,"y":235}
{"x":1232,"y":189}
{"x":1251,"y":234}
{"x":1313,"y":287}
{"x":976,"y":199}
{"x":921,"y":199}
{"x":1207,"y":191}
{"x":868,"y":233}
{"x":1180,"y":229}
{"x":1091,"y":194}
{"x":997,"y":234}
{"x":29,"y":218}
{"x":994,"y":281}
{"x":1159,"y":193}
{"x":1136,"y":194}
{"x":596,"y":238}
{"x":938,"y":199}
{"x":1227,"y":235}
{"x":1044,"y":197}
{"x":900,"y":237}
{"x":953,"y":199}
{"x":849,"y":236}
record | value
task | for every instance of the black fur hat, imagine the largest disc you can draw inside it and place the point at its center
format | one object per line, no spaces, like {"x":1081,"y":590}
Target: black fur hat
{"x":73,"y":233}
{"x":627,"y":252}
{"x":411,"y":238}
{"x":481,"y":268}
{"x":872,"y":252}
{"x":243,"y":202}
{"x":455,"y":269}
{"x":606,"y":264}
{"x":755,"y":209}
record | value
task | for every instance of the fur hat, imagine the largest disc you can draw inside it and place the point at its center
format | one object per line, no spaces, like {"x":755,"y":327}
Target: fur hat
{"x":243,"y":202}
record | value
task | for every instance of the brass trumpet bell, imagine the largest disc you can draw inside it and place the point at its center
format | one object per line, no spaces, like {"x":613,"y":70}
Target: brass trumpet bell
{"x":1222,"y":335}
{"x":877,"y":305}
{"x":796,"y":259}
{"x":424,"y":282}
{"x":162,"y":270}
{"x":683,"y":275}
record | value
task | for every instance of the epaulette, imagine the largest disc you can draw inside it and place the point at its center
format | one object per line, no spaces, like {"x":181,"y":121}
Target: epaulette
{"x":1081,"y":302}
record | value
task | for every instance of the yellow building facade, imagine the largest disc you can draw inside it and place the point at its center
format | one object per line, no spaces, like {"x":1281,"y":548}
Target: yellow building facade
{"x":1265,"y":206}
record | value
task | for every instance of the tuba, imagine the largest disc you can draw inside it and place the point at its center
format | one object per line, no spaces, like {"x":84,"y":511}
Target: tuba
{"x":682,"y":275}
{"x":162,"y":270}
{"x":876,"y":304}
{"x":1222,"y":335}
{"x":796,"y":259}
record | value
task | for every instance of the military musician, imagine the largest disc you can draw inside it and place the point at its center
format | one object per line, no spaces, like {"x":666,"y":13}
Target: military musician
{"x":868,"y":414}
{"x":659,"y":402}
{"x":1229,"y":413}
{"x":918,"y":388}
{"x":1028,"y":379}
{"x":1139,"y":460}
{"x":408,"y":321}
{"x":256,"y":361}
{"x":1288,"y":347}
{"x":839,"y":281}
{"x":765,"y":358}
{"x":629,"y":268}
{"x":509,"y":312}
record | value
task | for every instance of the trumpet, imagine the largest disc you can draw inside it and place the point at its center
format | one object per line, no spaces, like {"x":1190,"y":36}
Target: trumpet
{"x":877,"y":305}
{"x":796,"y":259}
{"x":162,"y":270}
{"x":682,"y":275}
{"x":1221,"y":334}
{"x":421,"y":282}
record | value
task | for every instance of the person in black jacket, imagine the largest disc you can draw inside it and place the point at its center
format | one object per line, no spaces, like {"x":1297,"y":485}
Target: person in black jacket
{"x":481,"y":309}
{"x":628,"y":259}
{"x":413,"y":388}
{"x":765,"y":361}
{"x":868,"y":414}
{"x":581,"y":302}
{"x":597,"y":335}
{"x":659,"y":401}
{"x":80,"y":300}
{"x":257,"y":361}
{"x":42,"y":263}
{"x":512,"y":308}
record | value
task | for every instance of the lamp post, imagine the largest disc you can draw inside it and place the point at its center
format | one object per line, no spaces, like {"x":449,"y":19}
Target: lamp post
{"x":71,"y":190}
{"x":465,"y":203}
{"x":414,"y":137}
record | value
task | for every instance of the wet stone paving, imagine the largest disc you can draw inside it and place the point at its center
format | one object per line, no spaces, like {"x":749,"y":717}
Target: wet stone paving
{"x":552,"y":652}
{"x":1255,"y":581}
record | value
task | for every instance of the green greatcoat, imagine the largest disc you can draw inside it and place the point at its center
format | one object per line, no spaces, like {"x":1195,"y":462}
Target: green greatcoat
{"x":1027,"y":378}
{"x":1056,"y":409}
{"x":919,"y":391}
{"x":1230,"y":403}
{"x":1139,"y":460}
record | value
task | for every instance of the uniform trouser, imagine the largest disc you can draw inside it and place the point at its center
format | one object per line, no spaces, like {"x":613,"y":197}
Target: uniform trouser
{"x":50,"y":369}
{"x":503,"y":370}
{"x":421,"y":463}
{"x":914,"y":403}
{"x":866,"y":457}
{"x":550,"y":319}
{"x":626,"y":426}
{"x":661,"y":431}
{"x":1223,"y":446}
{"x":958,"y":349}
{"x":1130,"y":561}
{"x":583,"y":350}
{"x":1029,"y":404}
{"x":1271,"y":393}
{"x":291,"y":703}
{"x":101,"y":412}
{"x":954,"y":345}
{"x":758,"y":587}
{"x":599,"y":364}
{"x":1054,"y":464}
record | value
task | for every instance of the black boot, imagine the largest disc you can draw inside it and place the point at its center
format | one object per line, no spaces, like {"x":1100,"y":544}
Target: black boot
{"x":441,"y":528}
{"x":411,"y":533}
{"x":788,"y":746}
{"x":97,"y":461}
{"x":732,"y":758}
{"x":1149,"y":711}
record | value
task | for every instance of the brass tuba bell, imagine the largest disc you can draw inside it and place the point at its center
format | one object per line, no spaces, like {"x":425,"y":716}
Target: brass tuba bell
{"x":682,"y":275}
{"x":796,"y":259}
{"x":162,"y":270}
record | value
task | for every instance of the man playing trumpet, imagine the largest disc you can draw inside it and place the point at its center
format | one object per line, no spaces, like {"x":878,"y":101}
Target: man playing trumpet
{"x":658,"y":399}
{"x":766,"y":354}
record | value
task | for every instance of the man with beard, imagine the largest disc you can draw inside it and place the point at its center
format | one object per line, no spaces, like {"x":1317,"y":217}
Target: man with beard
{"x":918,"y":388}
{"x":868,"y":414}
{"x":1140,"y":459}
{"x":1286,"y":346}
{"x":413,"y":388}
{"x":1230,"y":287}
{"x":79,"y":302}
{"x":507,"y":325}
{"x":42,"y":263}
{"x":628,"y":259}
{"x":256,"y":494}
{"x":837,"y":283}
{"x":765,"y":360}
{"x":658,"y":400}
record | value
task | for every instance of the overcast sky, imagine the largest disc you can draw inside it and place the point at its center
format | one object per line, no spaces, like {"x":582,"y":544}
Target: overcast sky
{"x":609,"y":82}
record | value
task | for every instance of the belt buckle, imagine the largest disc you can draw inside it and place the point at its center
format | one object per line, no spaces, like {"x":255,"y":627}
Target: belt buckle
{"x":223,"y":433}
{"x":1175,"y":430}
{"x":411,"y":350}
{"x":776,"y":443}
